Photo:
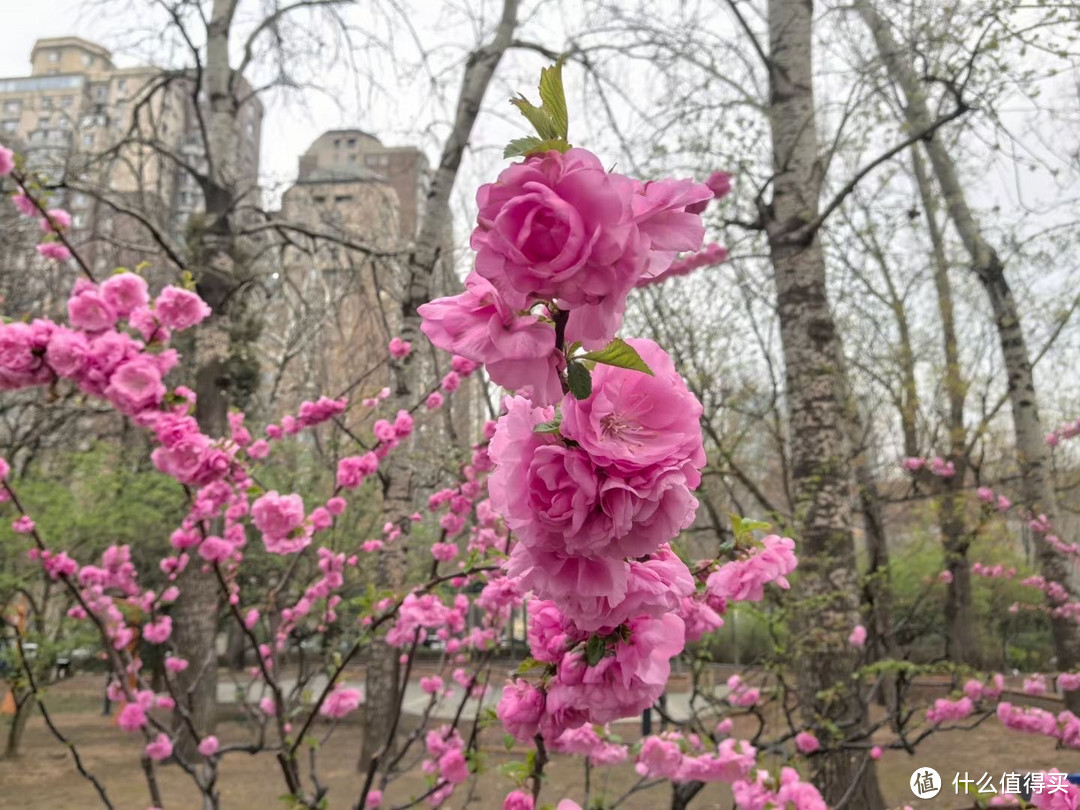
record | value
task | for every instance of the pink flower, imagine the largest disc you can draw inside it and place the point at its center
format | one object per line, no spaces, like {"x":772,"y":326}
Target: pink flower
{"x":158,"y":632}
{"x":374,"y":799}
{"x":559,"y":226}
{"x":568,"y":804}
{"x":88,"y":308}
{"x":54,"y":251}
{"x":719,"y":184}
{"x":1035,"y":685}
{"x":340,"y":702}
{"x":161,"y":748}
{"x":1051,"y":797}
{"x":635,"y":420}
{"x":277,"y":515}
{"x":744,"y":580}
{"x":913,"y":464}
{"x":876,"y":752}
{"x":945,"y":710}
{"x":180,"y":309}
{"x":659,"y":758}
{"x":699,"y":617}
{"x":56,"y":219}
{"x":403,"y":424}
{"x":858,"y":636}
{"x":462,"y":365}
{"x":795,"y":793}
{"x":23,"y":525}
{"x":451,"y":382}
{"x":352,"y":470}
{"x":518,"y":800}
{"x":484,"y":326}
{"x":174,"y":664}
{"x":7,"y":161}
{"x":125,"y":293}
{"x":1069,"y":681}
{"x":136,"y":385}
{"x":806,"y":742}
{"x":132,"y":717}
{"x":434,"y":401}
{"x":453,"y":768}
{"x":399,"y":348}
{"x":520,"y":710}
{"x":623,"y":683}
{"x":215,"y":549}
{"x":208,"y":746}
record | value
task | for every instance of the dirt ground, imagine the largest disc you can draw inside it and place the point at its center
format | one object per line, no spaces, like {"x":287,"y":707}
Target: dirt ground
{"x":44,"y":777}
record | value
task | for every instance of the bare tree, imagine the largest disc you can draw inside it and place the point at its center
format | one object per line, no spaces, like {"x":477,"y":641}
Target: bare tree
{"x":1031,"y":450}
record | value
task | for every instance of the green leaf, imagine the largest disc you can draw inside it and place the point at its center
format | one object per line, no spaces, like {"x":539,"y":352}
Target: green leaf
{"x":595,"y":650}
{"x":521,"y":146}
{"x":528,"y":665}
{"x":580,"y":381}
{"x":621,"y":354}
{"x":553,"y":98}
{"x":538,"y":117}
{"x":508,"y":741}
{"x":550,"y":120}
{"x":549,"y":427}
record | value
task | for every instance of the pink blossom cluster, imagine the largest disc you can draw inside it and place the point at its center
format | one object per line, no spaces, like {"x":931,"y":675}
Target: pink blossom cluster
{"x":744,"y":579}
{"x":976,"y":690}
{"x":446,"y":761}
{"x":54,"y":222}
{"x":992,"y":571}
{"x":935,"y":465}
{"x":1069,"y":430}
{"x":945,"y":710}
{"x":991,"y":498}
{"x":673,"y":756}
{"x":559,"y":232}
{"x":765,"y":793}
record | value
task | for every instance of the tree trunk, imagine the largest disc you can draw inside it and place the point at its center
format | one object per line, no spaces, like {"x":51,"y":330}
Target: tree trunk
{"x":829,"y":587}
{"x":417,"y":285}
{"x":1032,"y":454}
{"x":24,"y":706}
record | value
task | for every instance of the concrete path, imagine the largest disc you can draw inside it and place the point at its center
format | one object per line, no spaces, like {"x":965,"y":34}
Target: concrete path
{"x":416,"y":700}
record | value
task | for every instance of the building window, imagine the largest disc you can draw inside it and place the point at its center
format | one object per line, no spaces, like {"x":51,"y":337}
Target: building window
{"x":352,"y":141}
{"x":337,"y":142}
{"x":88,"y":139}
{"x":121,"y":85}
{"x":44,"y":123}
{"x":372,"y":160}
{"x":384,"y":160}
{"x":10,"y":126}
{"x":46,"y":103}
{"x":87,"y":60}
{"x":54,"y":56}
{"x":343,"y":198}
{"x":319,"y":198}
{"x":65,"y":101}
{"x":101,"y":92}
{"x":13,"y":106}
